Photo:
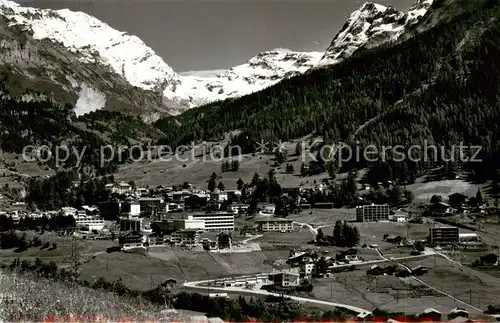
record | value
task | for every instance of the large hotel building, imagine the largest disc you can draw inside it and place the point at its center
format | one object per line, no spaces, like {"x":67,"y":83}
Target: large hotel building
{"x":372,"y":213}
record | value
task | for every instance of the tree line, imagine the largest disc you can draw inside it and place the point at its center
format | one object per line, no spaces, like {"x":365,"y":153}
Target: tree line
{"x":343,"y":235}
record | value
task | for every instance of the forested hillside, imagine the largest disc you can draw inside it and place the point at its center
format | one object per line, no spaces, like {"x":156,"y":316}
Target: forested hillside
{"x":45,"y":123}
{"x":440,"y":86}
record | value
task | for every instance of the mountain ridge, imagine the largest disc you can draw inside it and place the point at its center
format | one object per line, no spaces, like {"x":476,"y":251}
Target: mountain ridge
{"x":107,"y":68}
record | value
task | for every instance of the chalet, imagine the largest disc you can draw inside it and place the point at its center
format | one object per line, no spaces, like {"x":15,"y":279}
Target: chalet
{"x":419,"y":271}
{"x":132,"y":239}
{"x":489,"y":259}
{"x":457,"y":199}
{"x":214,"y":204}
{"x":298,"y":258}
{"x":393,"y":238}
{"x":224,"y":240}
{"x":441,"y":209}
{"x":119,"y":188}
{"x":431,"y":314}
{"x":399,"y":216}
{"x":195,"y":201}
{"x":350,"y":252}
{"x":390,"y":270}
{"x":169,"y":283}
{"x":375,"y":270}
{"x":402,"y":273}
{"x":458,"y":313}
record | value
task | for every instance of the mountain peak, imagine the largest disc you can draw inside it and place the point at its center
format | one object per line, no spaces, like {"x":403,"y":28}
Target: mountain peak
{"x":371,"y":6}
{"x":369,"y":26}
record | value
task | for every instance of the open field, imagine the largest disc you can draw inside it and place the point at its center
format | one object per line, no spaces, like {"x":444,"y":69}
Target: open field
{"x":322,"y":217}
{"x":191,"y":166}
{"x":424,"y":191}
{"x":473,"y":287}
{"x":87,"y":249}
{"x":384,"y":292}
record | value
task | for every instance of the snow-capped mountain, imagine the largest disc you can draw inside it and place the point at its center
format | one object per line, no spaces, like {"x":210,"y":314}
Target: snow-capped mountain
{"x":76,"y":58}
{"x":370,"y":26}
{"x":261,"y":71}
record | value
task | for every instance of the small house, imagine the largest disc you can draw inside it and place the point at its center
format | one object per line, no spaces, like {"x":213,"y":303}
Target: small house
{"x":441,"y":209}
{"x":365,"y":316}
{"x":393,"y":238}
{"x":419,"y":271}
{"x":375,"y":270}
{"x":431,"y":314}
{"x":458,"y":313}
{"x":457,"y":199}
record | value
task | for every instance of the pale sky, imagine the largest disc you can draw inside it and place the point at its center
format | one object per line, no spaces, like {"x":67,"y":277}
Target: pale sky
{"x":204,"y":35}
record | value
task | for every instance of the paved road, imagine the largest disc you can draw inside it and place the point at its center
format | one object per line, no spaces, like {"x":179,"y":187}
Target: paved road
{"x":252,"y":238}
{"x":310,"y":227}
{"x":195,"y":285}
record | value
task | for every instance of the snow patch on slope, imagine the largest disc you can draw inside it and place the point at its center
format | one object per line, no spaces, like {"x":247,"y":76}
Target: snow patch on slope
{"x":89,"y":100}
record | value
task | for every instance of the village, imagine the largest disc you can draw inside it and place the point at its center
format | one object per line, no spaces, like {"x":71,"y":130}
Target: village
{"x":369,"y":241}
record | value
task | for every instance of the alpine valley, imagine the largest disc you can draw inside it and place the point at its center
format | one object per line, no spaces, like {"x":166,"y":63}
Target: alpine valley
{"x":71,"y":57}
{"x":387,"y":78}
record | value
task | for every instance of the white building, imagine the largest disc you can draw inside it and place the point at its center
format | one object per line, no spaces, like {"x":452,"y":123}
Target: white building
{"x":275,"y":224}
{"x":216,"y":221}
{"x":307,"y":268}
{"x":142,"y":191}
{"x":119,"y":188}
{"x":219,"y":196}
{"x":468,"y":238}
{"x":132,"y":208}
{"x":237,"y":208}
{"x":190,"y":223}
{"x":89,"y":222}
{"x":173,"y":207}
{"x":267,"y":208}
{"x":399,"y":216}
{"x":67,"y":211}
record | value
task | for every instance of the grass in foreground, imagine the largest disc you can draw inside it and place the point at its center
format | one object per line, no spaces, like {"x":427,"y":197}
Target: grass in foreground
{"x":26,"y":297}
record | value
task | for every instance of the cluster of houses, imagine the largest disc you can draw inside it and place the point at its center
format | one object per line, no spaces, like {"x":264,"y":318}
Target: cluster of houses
{"x":458,"y":203}
{"x":428,"y":315}
{"x":377,"y":270}
{"x":279,"y":278}
{"x":202,"y":216}
{"x":196,"y":216}
{"x":306,"y":262}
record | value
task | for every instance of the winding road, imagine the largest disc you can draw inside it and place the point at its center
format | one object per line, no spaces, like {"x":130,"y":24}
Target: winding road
{"x":195,"y":285}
